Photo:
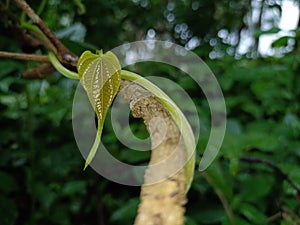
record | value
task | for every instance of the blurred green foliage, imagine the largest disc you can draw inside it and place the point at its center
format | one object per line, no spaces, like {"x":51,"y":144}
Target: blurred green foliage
{"x":41,"y":177}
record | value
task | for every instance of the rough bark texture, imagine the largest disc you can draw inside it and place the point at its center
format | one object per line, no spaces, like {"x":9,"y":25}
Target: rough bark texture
{"x":161,"y":203}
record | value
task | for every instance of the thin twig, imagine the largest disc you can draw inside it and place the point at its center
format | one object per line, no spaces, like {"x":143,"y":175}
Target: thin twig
{"x":39,"y":22}
{"x":274,"y":217}
{"x":222,"y":198}
{"x":64,"y":55}
{"x":24,"y":56}
{"x":279,"y":171}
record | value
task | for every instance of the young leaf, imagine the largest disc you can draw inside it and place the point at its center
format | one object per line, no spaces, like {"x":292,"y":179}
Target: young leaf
{"x":100,"y":77}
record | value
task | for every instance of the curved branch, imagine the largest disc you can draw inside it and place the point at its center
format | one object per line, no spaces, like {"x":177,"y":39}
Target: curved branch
{"x":279,"y":171}
{"x":162,"y":202}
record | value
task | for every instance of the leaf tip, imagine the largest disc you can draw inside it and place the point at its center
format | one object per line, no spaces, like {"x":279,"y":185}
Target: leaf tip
{"x":85,"y":166}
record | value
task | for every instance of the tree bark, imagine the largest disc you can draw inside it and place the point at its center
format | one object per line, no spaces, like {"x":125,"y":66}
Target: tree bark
{"x":162,"y":203}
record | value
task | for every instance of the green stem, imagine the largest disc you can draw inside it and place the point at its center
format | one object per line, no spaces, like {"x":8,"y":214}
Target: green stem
{"x":41,"y":7}
{"x":95,"y":145}
{"x":81,"y":7}
{"x":60,"y":68}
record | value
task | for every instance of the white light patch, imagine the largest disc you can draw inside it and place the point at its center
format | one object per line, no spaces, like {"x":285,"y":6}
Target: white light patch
{"x":290,"y":14}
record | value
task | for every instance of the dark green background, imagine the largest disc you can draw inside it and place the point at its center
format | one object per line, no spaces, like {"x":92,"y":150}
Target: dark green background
{"x":41,"y":176}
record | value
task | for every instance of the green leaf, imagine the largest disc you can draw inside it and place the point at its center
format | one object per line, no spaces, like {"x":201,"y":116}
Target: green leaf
{"x":211,"y":213}
{"x":281,"y":42}
{"x":74,"y":187}
{"x":232,"y":148}
{"x":100,"y":76}
{"x":219,"y":180}
{"x":190,"y":221}
{"x":273,"y":30}
{"x":7,"y":67}
{"x":261,"y":140}
{"x":253,"y":214}
{"x":238,"y":220}
{"x":255,"y":188}
{"x":127,"y":212}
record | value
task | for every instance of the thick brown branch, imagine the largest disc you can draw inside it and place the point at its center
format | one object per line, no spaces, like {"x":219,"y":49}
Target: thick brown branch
{"x":161,"y":202}
{"x":23,"y":56}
